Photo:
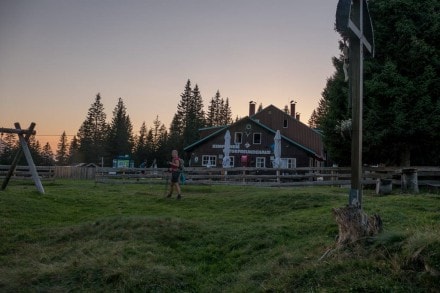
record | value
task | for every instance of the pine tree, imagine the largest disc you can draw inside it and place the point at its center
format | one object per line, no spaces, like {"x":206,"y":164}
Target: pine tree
{"x":312,"y":120}
{"x":210,"y":115}
{"x":179,"y":122}
{"x":189,"y":118}
{"x":140,"y":153}
{"x":332,"y":111}
{"x":156,"y":134}
{"x":74,"y":152}
{"x":195,"y":118}
{"x":163,"y":151}
{"x":217,"y":106}
{"x":226,"y":116}
{"x":401,"y":89}
{"x":175,"y":138}
{"x":47,"y":155}
{"x":62,"y":153}
{"x":120,"y":135}
{"x":92,"y":133}
{"x":219,"y":111}
{"x":9,"y":148}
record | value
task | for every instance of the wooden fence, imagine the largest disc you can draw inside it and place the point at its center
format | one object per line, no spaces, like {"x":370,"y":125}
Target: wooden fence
{"x":425,"y":176}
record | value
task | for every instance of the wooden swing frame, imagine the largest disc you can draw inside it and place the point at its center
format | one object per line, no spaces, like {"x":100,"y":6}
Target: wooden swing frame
{"x":23,"y":136}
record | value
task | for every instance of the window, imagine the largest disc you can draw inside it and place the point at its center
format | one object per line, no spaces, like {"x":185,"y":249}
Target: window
{"x":260,"y":162}
{"x":238,"y":137}
{"x":257,"y":138}
{"x":231,"y":161}
{"x":209,"y":161}
{"x":285,"y":123}
{"x":291,"y":163}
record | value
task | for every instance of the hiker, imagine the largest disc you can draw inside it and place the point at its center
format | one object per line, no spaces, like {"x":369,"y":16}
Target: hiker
{"x":175,"y":169}
{"x":143,"y":165}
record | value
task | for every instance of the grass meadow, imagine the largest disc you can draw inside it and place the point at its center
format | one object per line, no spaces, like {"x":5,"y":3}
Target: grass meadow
{"x":87,"y":237}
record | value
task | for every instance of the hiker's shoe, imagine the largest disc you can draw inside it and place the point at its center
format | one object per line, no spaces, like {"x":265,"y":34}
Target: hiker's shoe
{"x":179,"y":196}
{"x":169,"y":195}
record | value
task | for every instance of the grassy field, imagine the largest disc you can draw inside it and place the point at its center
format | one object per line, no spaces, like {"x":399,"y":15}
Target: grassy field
{"x":119,"y":237}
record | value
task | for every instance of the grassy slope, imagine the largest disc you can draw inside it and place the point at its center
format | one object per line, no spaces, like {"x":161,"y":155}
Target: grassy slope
{"x":83,"y":237}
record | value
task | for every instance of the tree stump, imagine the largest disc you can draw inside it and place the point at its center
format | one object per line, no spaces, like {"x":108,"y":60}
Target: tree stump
{"x":355,"y":225}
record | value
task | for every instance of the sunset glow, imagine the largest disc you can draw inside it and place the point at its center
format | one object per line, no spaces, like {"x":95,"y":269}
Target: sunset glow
{"x":56,"y":55}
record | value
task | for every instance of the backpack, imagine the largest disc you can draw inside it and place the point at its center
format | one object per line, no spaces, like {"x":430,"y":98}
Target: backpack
{"x":181,"y":165}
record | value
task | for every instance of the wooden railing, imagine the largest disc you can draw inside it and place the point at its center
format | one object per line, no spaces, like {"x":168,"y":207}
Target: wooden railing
{"x":254,"y":176}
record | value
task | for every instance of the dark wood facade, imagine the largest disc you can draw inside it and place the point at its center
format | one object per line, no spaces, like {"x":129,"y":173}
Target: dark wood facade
{"x":252,"y":142}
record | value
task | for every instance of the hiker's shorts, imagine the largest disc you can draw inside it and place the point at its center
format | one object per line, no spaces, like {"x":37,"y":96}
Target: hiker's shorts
{"x":175,"y":176}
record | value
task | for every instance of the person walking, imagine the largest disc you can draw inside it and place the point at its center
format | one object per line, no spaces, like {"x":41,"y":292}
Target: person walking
{"x":175,"y":174}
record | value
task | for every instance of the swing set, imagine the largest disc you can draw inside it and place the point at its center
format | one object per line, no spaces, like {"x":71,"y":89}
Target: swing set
{"x":23,"y":136}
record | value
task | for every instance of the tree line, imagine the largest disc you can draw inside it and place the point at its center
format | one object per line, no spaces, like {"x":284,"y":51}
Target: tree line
{"x":98,"y":140}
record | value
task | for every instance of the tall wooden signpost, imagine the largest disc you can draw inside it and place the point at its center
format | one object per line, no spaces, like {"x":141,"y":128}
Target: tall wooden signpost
{"x":353,"y":22}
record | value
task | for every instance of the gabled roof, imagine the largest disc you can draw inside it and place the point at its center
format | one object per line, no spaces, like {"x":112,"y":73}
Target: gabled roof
{"x":207,"y":137}
{"x":303,"y":135}
{"x":210,"y":130}
{"x":260,"y":119}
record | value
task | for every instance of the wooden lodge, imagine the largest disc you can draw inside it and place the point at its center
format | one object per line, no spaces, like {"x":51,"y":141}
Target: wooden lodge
{"x":252,"y":141}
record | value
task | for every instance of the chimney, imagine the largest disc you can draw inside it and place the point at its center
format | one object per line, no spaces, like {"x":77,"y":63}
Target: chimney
{"x":251,"y":108}
{"x":297,"y":116}
{"x":292,"y":108}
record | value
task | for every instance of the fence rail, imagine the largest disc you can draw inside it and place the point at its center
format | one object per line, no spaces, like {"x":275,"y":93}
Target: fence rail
{"x":429,"y":176}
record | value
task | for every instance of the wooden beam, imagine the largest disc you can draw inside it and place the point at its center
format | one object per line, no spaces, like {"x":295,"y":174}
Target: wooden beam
{"x":30,"y":161}
{"x":18,"y":131}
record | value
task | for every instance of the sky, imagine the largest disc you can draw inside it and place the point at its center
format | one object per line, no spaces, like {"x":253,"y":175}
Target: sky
{"x":56,"y":55}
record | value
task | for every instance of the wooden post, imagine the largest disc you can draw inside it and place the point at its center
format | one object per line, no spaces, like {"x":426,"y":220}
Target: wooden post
{"x":353,"y":23}
{"x":30,"y":161}
{"x":356,"y":85}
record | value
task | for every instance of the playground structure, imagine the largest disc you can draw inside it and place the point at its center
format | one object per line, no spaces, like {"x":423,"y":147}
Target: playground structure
{"x":23,"y":136}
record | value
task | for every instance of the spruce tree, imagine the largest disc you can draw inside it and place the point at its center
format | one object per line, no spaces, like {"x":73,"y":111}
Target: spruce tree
{"x":158,"y":139}
{"x":92,"y":133}
{"x":62,"y":153}
{"x":175,"y":138}
{"x":226,"y":116}
{"x":140,"y":153}
{"x":312,"y":120}
{"x":219,"y":112}
{"x":74,"y":152}
{"x":163,"y":151}
{"x":47,"y":155}
{"x":401,"y":89}
{"x":332,"y":111}
{"x":179,"y":122}
{"x":9,"y":148}
{"x":189,"y":118}
{"x":120,"y":139}
{"x":195,"y":118}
